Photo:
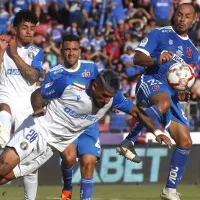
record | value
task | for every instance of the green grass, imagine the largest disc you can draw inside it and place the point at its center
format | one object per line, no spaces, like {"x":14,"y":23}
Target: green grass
{"x":104,"y":192}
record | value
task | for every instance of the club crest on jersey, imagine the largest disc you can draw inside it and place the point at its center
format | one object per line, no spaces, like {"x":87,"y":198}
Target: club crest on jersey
{"x":31,"y":55}
{"x":144,"y":42}
{"x":86,"y":74}
{"x":155,"y":87}
{"x":189,"y":52}
{"x":170,"y":42}
{"x":24,"y":145}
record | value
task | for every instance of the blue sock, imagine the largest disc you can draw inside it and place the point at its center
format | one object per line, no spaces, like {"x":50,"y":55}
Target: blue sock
{"x":87,"y":185}
{"x":154,"y":113}
{"x":67,"y":173}
{"x":178,"y":164}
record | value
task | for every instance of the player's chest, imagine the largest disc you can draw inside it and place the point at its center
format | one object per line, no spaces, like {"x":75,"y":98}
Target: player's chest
{"x":179,"y":47}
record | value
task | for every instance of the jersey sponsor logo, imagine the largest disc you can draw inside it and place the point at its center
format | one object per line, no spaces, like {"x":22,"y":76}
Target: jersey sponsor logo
{"x":144,"y":42}
{"x":189,"y":52}
{"x":50,"y":92}
{"x":177,"y":58}
{"x":13,"y":72}
{"x":166,"y":31}
{"x":179,"y":53}
{"x":24,"y":145}
{"x":155,"y":87}
{"x":86,"y":74}
{"x":74,"y":114}
{"x":58,"y":71}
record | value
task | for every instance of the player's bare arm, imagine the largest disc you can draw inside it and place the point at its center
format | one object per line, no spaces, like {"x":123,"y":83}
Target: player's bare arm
{"x":28,"y":72}
{"x":139,"y":114}
{"x":38,"y":103}
{"x":142,"y":59}
{"x":3,"y":46}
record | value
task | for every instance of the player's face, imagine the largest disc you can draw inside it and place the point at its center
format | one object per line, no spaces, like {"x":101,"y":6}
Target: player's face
{"x":24,"y":33}
{"x":100,"y":96}
{"x":184,"y":18}
{"x":71,"y":53}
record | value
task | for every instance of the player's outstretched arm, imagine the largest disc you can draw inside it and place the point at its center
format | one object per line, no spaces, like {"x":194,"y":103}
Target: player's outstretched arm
{"x":28,"y":72}
{"x":38,"y":103}
{"x":139,"y":114}
{"x":142,"y":59}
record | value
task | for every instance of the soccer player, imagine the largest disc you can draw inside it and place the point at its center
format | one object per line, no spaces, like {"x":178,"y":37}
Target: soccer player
{"x":89,"y":153}
{"x":74,"y":104}
{"x":157,"y":52}
{"x":21,"y":66}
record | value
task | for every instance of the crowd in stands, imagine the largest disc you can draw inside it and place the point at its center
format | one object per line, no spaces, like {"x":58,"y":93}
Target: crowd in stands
{"x":109,"y":32}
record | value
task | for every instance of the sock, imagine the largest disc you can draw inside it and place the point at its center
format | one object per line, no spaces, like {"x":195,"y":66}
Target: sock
{"x":30,"y":186}
{"x":87,"y":186}
{"x":178,"y":164}
{"x":67,"y":173}
{"x":5,"y":121}
{"x":154,"y":113}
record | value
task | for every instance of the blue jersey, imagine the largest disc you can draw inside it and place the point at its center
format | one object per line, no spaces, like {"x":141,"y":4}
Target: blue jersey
{"x":166,"y":39}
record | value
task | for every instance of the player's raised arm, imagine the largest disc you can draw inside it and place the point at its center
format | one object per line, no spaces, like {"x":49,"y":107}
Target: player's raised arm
{"x":31,"y":74}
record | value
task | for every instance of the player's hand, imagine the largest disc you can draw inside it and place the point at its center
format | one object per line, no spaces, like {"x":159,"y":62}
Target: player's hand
{"x":13,"y":47}
{"x":3,"y":44}
{"x":184,"y":95}
{"x":39,"y":113}
{"x":165,"y":57}
{"x":163,"y":138}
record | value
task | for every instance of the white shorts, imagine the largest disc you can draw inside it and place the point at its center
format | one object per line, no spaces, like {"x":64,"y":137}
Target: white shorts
{"x":31,"y":148}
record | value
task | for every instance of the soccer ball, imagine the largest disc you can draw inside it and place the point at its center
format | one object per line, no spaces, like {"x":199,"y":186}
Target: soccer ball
{"x":180,"y":76}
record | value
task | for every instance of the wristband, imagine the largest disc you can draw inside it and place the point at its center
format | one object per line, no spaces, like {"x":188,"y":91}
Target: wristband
{"x":158,"y":132}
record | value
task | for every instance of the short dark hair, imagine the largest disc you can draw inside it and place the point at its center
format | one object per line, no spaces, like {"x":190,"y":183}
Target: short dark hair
{"x":70,"y":38}
{"x":109,"y":80}
{"x":187,"y":4}
{"x":25,"y":15}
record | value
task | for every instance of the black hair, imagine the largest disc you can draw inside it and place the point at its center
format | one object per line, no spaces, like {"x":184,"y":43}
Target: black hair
{"x":70,"y":38}
{"x":187,"y":4}
{"x":109,"y":80}
{"x":25,"y":15}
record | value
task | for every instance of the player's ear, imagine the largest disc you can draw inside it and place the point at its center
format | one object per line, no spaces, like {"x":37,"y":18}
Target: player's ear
{"x":94,"y":85}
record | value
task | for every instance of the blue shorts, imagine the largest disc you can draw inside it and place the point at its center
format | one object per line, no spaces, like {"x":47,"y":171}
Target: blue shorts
{"x":88,"y":143}
{"x":147,"y":86}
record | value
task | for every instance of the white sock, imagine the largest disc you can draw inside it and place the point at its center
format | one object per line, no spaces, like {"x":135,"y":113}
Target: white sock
{"x":5,"y":121}
{"x":30,"y":186}
{"x":170,"y":190}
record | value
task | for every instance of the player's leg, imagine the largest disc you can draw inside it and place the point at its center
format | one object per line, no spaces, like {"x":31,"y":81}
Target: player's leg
{"x":30,"y":186}
{"x":68,"y":159}
{"x":5,"y":124}
{"x":157,"y":100}
{"x":181,"y":135}
{"x":89,"y":150}
{"x":8,"y":161}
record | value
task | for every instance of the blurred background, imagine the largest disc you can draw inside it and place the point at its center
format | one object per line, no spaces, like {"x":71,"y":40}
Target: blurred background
{"x":110,"y":31}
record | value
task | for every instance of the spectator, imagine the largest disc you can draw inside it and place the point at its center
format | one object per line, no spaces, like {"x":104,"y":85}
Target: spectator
{"x":162,"y":12}
{"x":4,"y":17}
{"x":73,"y":29}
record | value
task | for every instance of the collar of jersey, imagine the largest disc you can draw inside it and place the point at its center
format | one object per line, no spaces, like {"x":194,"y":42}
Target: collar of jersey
{"x":183,"y":38}
{"x":26,"y":47}
{"x":72,"y":70}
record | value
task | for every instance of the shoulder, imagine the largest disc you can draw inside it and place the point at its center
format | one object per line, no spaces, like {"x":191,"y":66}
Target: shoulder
{"x":88,"y":64}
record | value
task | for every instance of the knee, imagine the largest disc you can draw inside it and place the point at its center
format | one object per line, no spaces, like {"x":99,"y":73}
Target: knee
{"x":164,"y":106}
{"x":87,"y":169}
{"x":68,"y":159}
{"x":185,"y":142}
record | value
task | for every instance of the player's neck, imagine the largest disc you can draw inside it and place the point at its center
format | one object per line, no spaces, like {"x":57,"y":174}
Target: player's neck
{"x":182,"y":34}
{"x":71,"y":67}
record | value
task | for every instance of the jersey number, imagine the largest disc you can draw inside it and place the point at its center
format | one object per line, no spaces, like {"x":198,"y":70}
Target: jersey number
{"x":154,"y":82}
{"x":31,"y":136}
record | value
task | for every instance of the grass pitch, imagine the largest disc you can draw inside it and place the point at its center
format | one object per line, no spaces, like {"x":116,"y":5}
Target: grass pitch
{"x":104,"y":192}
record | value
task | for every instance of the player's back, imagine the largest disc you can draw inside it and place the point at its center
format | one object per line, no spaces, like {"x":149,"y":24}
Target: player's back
{"x":166,"y":39}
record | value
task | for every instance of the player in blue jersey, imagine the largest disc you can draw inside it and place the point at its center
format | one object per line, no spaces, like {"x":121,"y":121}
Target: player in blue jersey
{"x":160,"y":49}
{"x":65,"y":119}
